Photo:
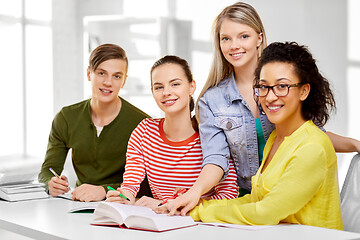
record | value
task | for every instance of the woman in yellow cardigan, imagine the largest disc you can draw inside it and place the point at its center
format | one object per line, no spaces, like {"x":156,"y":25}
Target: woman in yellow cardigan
{"x":297,"y":180}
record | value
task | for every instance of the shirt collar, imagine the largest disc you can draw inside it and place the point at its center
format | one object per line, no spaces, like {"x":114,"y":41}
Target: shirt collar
{"x":231,"y":91}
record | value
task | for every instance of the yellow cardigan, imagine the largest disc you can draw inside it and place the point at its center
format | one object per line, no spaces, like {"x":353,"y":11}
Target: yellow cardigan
{"x":299,"y":185}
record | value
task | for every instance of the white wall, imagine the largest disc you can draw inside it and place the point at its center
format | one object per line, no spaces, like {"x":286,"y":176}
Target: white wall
{"x":68,"y":45}
{"x":321,"y":25}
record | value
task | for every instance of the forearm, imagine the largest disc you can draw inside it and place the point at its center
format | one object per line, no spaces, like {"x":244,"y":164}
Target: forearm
{"x":227,"y":188}
{"x":210,"y":175}
{"x":57,"y":150}
{"x":344,"y":144}
{"x":212,"y":213}
{"x":55,"y":161}
{"x":133,"y":178}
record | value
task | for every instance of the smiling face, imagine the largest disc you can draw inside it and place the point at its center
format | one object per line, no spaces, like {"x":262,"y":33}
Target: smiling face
{"x":171,"y":88}
{"x":287,"y":109}
{"x":239,"y":43}
{"x":107,"y":80}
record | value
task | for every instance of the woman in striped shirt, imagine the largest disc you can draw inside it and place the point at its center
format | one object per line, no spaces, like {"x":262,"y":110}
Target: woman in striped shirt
{"x":168,"y":149}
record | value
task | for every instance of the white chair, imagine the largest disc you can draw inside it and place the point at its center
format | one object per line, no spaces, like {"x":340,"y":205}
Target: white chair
{"x":350,"y":197}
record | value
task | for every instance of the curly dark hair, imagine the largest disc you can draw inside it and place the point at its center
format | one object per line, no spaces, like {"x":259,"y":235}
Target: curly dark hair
{"x":320,"y":100}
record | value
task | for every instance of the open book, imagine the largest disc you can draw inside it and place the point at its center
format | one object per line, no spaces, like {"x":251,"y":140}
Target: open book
{"x":135,"y":217}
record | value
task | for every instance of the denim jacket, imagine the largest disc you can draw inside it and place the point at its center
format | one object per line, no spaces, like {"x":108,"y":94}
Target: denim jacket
{"x":228,"y":131}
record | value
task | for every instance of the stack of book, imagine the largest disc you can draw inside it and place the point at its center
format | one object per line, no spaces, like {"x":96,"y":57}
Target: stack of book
{"x":18,"y":186}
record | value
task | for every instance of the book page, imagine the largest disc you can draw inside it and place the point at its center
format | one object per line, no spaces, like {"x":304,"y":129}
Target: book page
{"x":137,"y":217}
{"x":67,"y":195}
{"x":102,"y":220}
{"x":244,"y":227}
{"x":118,"y":212}
{"x":158,"y":222}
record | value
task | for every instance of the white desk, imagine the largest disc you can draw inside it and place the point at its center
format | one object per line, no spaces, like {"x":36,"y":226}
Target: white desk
{"x":49,"y":219}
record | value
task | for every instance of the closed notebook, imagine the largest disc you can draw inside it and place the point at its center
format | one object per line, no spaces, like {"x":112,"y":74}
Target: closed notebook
{"x":22,"y":188}
{"x":23,"y":196}
{"x":136,"y":217}
{"x":24,"y":191}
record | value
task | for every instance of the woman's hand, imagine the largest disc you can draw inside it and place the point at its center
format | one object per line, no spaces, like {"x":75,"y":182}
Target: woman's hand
{"x":114,"y":196}
{"x":210,"y":175}
{"x":181,"y":205}
{"x":149,"y":202}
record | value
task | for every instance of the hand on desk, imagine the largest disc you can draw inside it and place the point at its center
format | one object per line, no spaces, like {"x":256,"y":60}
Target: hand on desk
{"x":88,"y":193}
{"x":58,"y":186}
{"x":149,"y":202}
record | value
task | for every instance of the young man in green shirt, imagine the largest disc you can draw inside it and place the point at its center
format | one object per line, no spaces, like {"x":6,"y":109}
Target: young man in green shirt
{"x":97,"y":130}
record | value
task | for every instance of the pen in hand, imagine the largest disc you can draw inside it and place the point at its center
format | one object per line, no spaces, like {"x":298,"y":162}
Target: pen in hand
{"x":56,"y":175}
{"x":173,"y":197}
{"x":121,"y":195}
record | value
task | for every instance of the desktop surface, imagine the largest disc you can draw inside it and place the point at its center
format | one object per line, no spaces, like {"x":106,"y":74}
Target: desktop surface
{"x":50,"y":219}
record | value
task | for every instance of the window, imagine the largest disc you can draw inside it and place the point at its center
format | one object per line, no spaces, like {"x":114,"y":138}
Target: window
{"x":26,"y":68}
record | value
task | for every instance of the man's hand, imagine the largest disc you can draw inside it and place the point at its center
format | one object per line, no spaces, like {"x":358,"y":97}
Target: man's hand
{"x":58,"y":186}
{"x":89,"y":193}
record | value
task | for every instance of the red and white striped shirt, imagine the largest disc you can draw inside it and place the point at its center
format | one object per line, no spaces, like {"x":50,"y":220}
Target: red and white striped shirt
{"x":168,"y":164}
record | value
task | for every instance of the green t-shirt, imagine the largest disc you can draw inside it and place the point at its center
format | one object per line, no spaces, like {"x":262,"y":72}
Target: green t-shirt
{"x":96,"y":160}
{"x":260,"y":138}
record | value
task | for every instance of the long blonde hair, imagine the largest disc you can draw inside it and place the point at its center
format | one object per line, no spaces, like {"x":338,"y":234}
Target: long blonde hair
{"x":241,"y":13}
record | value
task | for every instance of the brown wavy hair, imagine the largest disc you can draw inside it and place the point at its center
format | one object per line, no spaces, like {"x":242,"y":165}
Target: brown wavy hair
{"x":106,"y":52}
{"x":185,"y":66}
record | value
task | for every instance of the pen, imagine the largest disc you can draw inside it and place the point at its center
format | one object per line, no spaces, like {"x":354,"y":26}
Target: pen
{"x":53,"y":172}
{"x":174,"y":196}
{"x":121,"y":195}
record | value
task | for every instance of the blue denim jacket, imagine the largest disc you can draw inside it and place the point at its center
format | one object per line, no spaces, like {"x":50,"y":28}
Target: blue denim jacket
{"x":228,"y":130}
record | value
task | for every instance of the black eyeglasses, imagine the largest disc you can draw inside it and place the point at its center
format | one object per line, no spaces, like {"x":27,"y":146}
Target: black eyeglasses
{"x":280,"y":90}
